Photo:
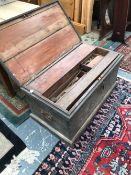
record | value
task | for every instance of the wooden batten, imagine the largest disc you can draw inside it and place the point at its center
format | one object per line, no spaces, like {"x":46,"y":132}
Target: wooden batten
{"x":87,"y":11}
{"x":78,"y":11}
{"x":84,"y":82}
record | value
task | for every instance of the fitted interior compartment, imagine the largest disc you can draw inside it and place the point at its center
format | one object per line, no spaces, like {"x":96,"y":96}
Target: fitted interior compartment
{"x":65,"y":84}
{"x":62,"y":92}
{"x":95,"y":57}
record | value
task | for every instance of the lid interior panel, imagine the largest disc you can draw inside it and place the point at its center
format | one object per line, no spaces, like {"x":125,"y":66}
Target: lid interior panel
{"x":22,"y":35}
{"x":32,"y":44}
{"x":30,"y":62}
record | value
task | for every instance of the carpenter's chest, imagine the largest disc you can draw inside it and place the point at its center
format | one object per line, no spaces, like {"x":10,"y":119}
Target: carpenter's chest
{"x":65,"y":80}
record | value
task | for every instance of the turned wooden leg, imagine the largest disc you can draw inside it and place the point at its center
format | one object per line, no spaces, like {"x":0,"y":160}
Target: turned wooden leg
{"x":6,"y":82}
{"x":120,"y":20}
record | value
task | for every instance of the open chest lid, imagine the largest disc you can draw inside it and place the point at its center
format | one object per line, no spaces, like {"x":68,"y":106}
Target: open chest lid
{"x":31,"y":42}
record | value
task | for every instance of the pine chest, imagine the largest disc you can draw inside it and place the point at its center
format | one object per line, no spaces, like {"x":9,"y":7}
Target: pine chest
{"x":65,"y":80}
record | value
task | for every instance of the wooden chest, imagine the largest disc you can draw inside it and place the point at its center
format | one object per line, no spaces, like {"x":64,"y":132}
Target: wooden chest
{"x":64,"y":79}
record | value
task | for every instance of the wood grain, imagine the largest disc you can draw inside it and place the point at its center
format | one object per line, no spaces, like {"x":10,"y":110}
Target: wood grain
{"x":80,"y":28}
{"x":80,"y":86}
{"x":84,"y":11}
{"x":43,"y":2}
{"x":87,"y":11}
{"x":95,"y":61}
{"x":27,"y":64}
{"x":68,"y":6}
{"x":17,"y":38}
{"x":59,"y":70}
{"x":77,"y":11}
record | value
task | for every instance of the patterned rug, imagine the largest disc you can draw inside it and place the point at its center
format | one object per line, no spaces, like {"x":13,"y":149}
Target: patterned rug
{"x":112,"y":153}
{"x":70,"y":161}
{"x":14,"y":109}
{"x":10,"y":145}
{"x":126,"y":50}
{"x":90,"y":38}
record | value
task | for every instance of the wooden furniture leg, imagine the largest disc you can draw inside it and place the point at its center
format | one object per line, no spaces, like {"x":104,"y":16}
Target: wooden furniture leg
{"x":129,"y":17}
{"x":6,"y":82}
{"x":104,"y":26}
{"x":120,"y":20}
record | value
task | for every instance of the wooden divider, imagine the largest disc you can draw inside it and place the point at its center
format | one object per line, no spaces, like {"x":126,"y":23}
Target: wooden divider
{"x":45,"y":81}
{"x":70,"y":97}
